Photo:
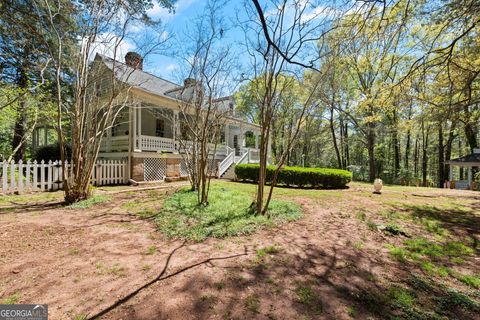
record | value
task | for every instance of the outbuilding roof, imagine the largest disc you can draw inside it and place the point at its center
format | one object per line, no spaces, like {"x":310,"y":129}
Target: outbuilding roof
{"x":468,"y":160}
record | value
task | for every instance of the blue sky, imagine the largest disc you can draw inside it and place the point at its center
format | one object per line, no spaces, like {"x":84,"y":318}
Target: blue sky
{"x":176,"y":26}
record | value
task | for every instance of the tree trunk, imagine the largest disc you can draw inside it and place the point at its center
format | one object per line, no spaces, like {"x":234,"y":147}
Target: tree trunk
{"x":20,"y":128}
{"x":371,"y":152}
{"x":415,"y":157}
{"x":441,"y":157}
{"x":424,"y":154}
{"x":334,"y":138}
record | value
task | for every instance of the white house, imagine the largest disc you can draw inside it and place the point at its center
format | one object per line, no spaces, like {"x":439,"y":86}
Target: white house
{"x":147,"y":131}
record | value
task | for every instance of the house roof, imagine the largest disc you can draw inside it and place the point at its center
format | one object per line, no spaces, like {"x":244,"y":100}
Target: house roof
{"x":158,"y":86}
{"x":468,"y":160}
{"x":138,"y":78}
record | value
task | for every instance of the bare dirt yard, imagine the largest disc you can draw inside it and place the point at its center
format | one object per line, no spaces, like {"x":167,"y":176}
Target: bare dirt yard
{"x":409,"y":253}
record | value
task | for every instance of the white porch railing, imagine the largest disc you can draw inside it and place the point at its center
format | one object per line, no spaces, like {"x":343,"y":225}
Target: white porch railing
{"x":150,"y":143}
{"x":47,"y":176}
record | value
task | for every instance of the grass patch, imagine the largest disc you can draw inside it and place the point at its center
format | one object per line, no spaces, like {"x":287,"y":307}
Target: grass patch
{"x":307,"y":296}
{"x":151,"y":250}
{"x":115,"y":270}
{"x":12,"y":299}
{"x":401,"y":297}
{"x":227,"y":214}
{"x":252,"y":303}
{"x":397,"y":253}
{"x":469,"y":280}
{"x":262,"y":252}
{"x":90,"y":202}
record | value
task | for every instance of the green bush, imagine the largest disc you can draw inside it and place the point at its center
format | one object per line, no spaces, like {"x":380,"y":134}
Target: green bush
{"x":297,"y":176}
{"x":50,"y":152}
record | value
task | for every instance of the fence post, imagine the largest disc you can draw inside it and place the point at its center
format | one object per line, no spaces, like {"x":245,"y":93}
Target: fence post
{"x":20,"y":176}
{"x":49,"y":175}
{"x":42,"y":175}
{"x":27,"y":176}
{"x":35,"y":179}
{"x":12,"y":176}
{"x":5,"y":177}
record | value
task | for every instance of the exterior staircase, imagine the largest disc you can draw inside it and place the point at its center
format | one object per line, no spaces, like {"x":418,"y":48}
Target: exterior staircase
{"x":226,"y":168}
{"x":230,"y":173}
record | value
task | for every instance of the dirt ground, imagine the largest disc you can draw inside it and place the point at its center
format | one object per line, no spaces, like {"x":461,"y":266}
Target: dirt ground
{"x":110,"y":263}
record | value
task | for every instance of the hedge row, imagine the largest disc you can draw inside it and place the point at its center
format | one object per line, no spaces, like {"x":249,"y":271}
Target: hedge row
{"x":297,"y":176}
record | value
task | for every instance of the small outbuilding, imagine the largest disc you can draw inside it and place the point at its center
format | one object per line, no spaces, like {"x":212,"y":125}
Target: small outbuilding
{"x":468,"y":162}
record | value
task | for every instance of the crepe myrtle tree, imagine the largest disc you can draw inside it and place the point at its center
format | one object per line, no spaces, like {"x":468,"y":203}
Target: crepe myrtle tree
{"x":274,"y":47}
{"x":97,"y":96}
{"x":203,"y":111}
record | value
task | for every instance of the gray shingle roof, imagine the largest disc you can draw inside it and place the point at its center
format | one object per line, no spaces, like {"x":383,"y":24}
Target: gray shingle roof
{"x":138,"y":78}
{"x":471,"y":158}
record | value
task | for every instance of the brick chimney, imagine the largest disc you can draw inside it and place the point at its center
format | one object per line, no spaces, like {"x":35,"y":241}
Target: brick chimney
{"x":134,"y":60}
{"x":188,"y":82}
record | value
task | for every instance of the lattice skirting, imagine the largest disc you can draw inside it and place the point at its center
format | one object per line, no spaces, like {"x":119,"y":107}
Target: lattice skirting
{"x":155,"y":169}
{"x":183,"y":168}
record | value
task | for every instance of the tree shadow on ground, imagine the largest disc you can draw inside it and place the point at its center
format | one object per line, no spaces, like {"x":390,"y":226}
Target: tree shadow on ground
{"x":304,"y":282}
{"x":30,"y":207}
{"x":459,"y":222}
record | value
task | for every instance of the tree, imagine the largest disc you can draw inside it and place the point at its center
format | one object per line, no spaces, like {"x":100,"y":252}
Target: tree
{"x":203,"y":112}
{"x":98,"y":96}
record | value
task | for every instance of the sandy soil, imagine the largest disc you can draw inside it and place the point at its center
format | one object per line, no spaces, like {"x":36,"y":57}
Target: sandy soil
{"x":99,"y":263}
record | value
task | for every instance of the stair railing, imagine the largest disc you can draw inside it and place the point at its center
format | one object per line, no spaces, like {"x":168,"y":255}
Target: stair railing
{"x":227,"y":162}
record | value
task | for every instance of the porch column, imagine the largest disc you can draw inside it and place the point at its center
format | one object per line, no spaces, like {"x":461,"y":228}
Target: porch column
{"x":469,"y":173}
{"x":45,"y":132}
{"x":175,"y":129}
{"x":256,"y":140}
{"x":139,"y":126}
{"x":134,"y":126}
{"x":227,"y":134}
{"x":451,"y":172}
{"x":242,"y":137}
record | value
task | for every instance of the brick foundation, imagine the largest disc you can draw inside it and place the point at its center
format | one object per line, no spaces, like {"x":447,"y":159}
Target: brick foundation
{"x":137,"y":169}
{"x":173,"y":167}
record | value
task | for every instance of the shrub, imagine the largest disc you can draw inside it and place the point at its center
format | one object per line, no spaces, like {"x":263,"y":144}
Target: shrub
{"x":50,"y":152}
{"x":297,"y":176}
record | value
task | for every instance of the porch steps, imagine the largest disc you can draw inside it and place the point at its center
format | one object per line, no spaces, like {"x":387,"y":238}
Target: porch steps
{"x":229,"y":173}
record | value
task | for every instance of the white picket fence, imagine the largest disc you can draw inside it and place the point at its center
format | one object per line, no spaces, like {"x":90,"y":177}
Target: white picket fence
{"x":47,"y":176}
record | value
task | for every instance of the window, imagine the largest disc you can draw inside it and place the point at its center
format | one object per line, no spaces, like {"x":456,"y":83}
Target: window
{"x":160,"y":128}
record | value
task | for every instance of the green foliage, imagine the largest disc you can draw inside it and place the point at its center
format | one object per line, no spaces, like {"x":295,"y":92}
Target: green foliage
{"x":12,"y":299}
{"x":297,"y":176}
{"x":94,"y":200}
{"x":401,"y":297}
{"x":50,"y":152}
{"x":228,"y":213}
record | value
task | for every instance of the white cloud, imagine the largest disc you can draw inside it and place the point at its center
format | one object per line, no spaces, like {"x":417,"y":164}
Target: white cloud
{"x":159,"y":12}
{"x":111,"y":46}
{"x":171,"y":67}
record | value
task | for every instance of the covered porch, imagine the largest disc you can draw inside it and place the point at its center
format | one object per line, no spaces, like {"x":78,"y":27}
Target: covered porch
{"x":468,"y":163}
{"x":156,"y":129}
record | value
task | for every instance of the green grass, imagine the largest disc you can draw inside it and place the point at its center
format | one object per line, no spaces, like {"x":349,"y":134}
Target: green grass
{"x":90,"y":202}
{"x":12,"y":299}
{"x":307,"y":296}
{"x":252,"y":303}
{"x":472,"y":281}
{"x":227,"y":214}
{"x":397,"y":253}
{"x":262,"y":252}
{"x":401,"y":297}
{"x":151,"y":250}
